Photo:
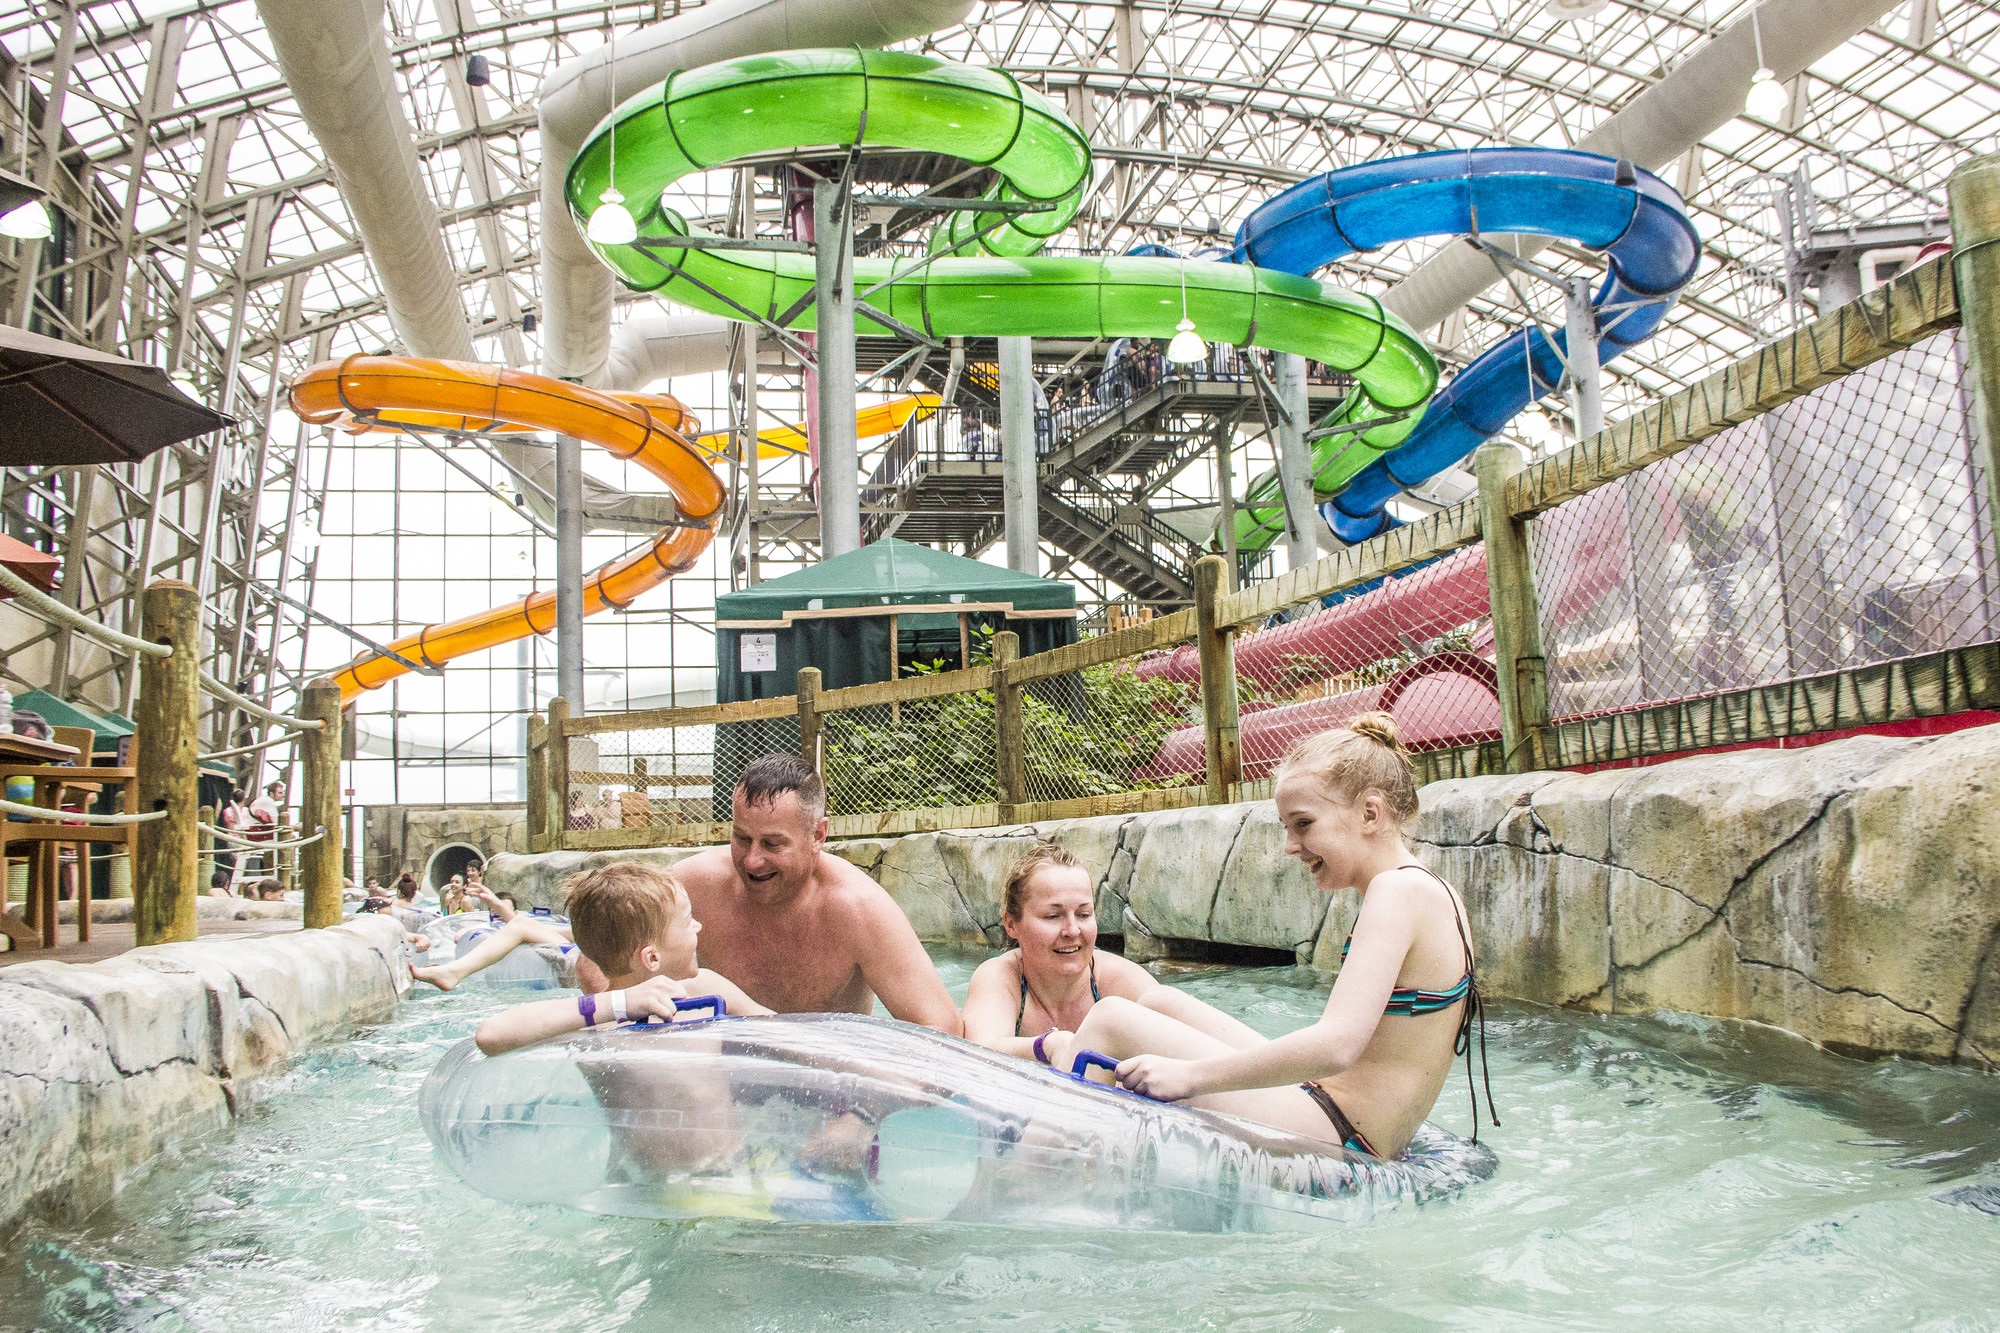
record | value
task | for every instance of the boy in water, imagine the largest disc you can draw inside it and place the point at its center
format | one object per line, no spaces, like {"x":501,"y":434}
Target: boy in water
{"x":633,"y":922}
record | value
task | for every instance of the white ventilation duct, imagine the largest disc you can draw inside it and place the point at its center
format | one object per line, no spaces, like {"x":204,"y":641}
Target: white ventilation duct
{"x":662,"y":345}
{"x":1703,"y":94}
{"x":336,"y":62}
{"x":577,"y":289}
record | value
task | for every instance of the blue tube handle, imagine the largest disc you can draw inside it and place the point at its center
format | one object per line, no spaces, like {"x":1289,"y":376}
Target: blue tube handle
{"x":1093,"y":1059}
{"x":693,"y":1002}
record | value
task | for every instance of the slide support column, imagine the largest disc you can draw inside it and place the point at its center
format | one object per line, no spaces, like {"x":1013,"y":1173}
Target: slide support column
{"x":1295,"y":462}
{"x":569,"y":571}
{"x":1017,"y":455}
{"x":1585,"y":377}
{"x":833,"y":319}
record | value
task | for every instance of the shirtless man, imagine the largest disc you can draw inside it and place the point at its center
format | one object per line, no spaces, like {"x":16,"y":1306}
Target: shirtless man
{"x":803,"y":931}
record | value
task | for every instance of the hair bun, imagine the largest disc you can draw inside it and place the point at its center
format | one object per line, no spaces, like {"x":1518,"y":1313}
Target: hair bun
{"x":1379,"y":727}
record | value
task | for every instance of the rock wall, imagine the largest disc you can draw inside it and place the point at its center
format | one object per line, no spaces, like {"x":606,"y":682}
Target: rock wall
{"x":1849,"y":892}
{"x":397,"y":837}
{"x":104,"y":1065}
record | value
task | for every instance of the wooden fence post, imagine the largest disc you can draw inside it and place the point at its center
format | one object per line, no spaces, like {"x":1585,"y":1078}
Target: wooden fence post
{"x":557,"y":765}
{"x":1517,"y":622}
{"x":808,"y":694}
{"x":1009,"y":744}
{"x":1219,"y":724}
{"x":538,"y":784}
{"x":319,"y":806}
{"x":166,"y":880}
{"x":1974,"y":192}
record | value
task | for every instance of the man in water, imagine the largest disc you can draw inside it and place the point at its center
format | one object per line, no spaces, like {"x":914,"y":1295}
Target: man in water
{"x":799,"y":929}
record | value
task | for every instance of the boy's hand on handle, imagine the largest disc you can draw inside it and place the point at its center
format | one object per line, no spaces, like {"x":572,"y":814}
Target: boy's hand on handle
{"x":1158,"y":1076}
{"x":654,"y":998}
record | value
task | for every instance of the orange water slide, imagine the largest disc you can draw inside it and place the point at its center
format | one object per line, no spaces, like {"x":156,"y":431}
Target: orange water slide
{"x":396,"y":393}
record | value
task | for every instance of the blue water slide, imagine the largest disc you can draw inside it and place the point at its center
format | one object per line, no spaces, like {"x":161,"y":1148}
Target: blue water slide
{"x":1635,"y":218}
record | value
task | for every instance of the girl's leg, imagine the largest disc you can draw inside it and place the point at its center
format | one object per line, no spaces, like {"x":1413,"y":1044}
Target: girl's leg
{"x":1178,"y":1004}
{"x":1122,"y":1029}
{"x":521,"y":930}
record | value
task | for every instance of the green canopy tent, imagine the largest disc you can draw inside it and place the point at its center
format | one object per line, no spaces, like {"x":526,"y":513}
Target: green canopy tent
{"x":864,"y":617}
{"x":840,"y":615}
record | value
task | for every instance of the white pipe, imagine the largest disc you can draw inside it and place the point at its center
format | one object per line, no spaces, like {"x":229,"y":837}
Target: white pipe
{"x":662,"y":346}
{"x":576,"y":288}
{"x":335,"y":60}
{"x":1705,"y":93}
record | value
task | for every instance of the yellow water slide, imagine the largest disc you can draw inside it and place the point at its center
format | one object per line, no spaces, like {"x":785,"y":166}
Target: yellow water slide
{"x":394,"y":394}
{"x":398,"y":393}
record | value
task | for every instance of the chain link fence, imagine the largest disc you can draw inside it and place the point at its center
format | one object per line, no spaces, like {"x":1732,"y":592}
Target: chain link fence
{"x":920,"y":754}
{"x":1848,"y":527}
{"x":1099,"y":731}
{"x":666,"y":777}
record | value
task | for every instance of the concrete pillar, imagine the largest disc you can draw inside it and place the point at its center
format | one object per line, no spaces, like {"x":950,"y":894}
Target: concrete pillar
{"x":833,"y":320}
{"x":1017,"y":455}
{"x":321,"y":863}
{"x":1295,"y":462}
{"x":569,"y":571}
{"x":1975,"y":262}
{"x":166,"y":745}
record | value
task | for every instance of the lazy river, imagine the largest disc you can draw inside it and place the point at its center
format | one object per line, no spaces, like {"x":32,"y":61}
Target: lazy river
{"x":1652,"y":1168}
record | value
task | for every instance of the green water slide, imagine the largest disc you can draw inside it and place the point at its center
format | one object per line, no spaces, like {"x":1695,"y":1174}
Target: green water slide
{"x":992,"y":282}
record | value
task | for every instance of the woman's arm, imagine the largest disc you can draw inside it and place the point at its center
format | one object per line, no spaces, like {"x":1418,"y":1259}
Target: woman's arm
{"x":1383,"y":934}
{"x":993,"y":1006}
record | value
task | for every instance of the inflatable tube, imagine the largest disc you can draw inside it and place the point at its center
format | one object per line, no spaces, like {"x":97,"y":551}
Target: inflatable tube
{"x":1636,"y":219}
{"x":840,"y":1118}
{"x":790,"y":102}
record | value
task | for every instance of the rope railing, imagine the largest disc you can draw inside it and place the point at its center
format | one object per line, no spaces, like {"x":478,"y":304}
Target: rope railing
{"x":252,"y":844}
{"x":29,"y":595}
{"x":253,"y":747}
{"x":257,"y":710}
{"x":78,"y":816}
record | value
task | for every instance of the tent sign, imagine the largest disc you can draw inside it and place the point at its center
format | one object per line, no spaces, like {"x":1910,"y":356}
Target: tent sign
{"x":759,"y":653}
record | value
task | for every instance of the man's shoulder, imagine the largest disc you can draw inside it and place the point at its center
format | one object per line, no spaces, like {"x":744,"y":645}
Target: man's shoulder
{"x":705,"y":867}
{"x":851,"y":886}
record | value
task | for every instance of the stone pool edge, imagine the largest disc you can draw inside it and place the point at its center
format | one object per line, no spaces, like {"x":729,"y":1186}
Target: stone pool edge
{"x":1848,"y":893}
{"x":103,"y":1066}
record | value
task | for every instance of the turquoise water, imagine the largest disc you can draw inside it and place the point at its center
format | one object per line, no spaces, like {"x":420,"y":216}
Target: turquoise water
{"x":1653,"y":1170}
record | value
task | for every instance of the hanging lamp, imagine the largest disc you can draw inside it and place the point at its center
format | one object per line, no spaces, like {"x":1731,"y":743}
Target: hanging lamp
{"x":611,"y":222}
{"x":1767,"y":100}
{"x":1187,"y":346}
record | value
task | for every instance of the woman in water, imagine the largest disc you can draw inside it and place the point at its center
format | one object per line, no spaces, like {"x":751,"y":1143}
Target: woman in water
{"x":1033,"y":997}
{"x":1367,"y":1073}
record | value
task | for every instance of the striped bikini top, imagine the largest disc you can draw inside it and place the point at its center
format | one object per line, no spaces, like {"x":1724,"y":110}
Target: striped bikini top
{"x":1411,"y":1001}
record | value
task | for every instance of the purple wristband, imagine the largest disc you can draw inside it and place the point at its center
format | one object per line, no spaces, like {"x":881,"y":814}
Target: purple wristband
{"x":587,"y":1006}
{"x":1041,"y":1055}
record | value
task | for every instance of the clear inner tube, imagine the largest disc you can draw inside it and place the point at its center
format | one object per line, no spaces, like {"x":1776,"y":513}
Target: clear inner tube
{"x":839,"y":1118}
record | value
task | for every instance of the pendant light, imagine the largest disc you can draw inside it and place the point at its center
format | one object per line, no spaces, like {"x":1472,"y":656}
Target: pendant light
{"x":1768,"y":100}
{"x":610,"y":222}
{"x":1187,"y":346}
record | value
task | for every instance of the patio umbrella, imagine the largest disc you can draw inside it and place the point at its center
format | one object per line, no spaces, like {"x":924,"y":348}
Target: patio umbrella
{"x":62,"y":405}
{"x":37,"y":567}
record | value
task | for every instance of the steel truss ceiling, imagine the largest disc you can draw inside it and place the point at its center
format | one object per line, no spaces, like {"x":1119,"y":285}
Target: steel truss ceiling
{"x":202,"y":229}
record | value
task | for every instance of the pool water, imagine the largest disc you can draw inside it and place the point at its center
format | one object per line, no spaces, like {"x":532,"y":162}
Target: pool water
{"x":1652,"y":1170}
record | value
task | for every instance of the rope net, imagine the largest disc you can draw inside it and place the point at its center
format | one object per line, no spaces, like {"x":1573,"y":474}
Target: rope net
{"x":1846,"y":528}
